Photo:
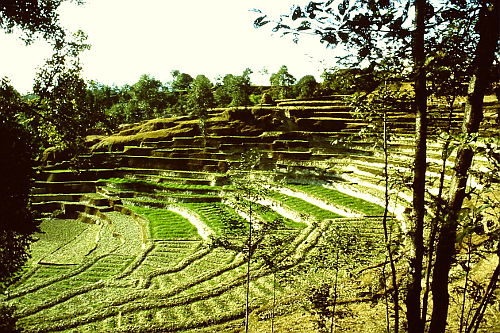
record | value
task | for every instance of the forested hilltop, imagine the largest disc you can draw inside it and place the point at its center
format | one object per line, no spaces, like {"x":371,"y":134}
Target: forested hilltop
{"x":367,"y":201}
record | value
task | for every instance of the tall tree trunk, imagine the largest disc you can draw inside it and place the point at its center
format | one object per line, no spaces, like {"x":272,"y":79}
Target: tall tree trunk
{"x":388,"y":239}
{"x":413,"y":313}
{"x":435,"y":224}
{"x":488,"y":294}
{"x":485,"y":52}
{"x":250,"y":250}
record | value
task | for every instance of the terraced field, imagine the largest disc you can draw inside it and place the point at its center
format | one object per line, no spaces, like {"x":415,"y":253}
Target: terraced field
{"x":139,"y":267}
{"x":156,"y":235}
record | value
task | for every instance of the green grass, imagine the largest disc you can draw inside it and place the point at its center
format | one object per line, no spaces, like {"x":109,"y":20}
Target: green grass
{"x":302,"y":206}
{"x":167,"y":185}
{"x":165,"y":224}
{"x":270,"y":216}
{"x":221,"y":218}
{"x":339,"y":198}
{"x":49,"y":271}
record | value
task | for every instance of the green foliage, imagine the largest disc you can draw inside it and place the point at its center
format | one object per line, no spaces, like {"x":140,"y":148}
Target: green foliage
{"x":449,"y":63}
{"x":306,"y":87}
{"x":234,"y":90}
{"x":151,"y":97}
{"x":348,"y":81}
{"x":255,"y":99}
{"x":181,"y":82}
{"x":281,"y":83}
{"x":32,"y":17}
{"x":102,"y":98}
{"x":18,"y":129}
{"x":200,"y":96}
{"x":146,"y":99}
{"x":266,"y":98}
{"x":16,"y":162}
{"x":62,"y":97}
{"x":7,"y":319}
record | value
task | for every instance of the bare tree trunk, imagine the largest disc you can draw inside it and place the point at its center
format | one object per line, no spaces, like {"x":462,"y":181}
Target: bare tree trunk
{"x":386,"y":232}
{"x":488,"y":294}
{"x":247,"y":291}
{"x":413,"y":309}
{"x":485,"y":52}
{"x":435,"y":224}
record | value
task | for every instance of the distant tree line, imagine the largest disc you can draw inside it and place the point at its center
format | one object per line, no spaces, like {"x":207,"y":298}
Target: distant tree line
{"x":65,"y":108}
{"x":150,"y":98}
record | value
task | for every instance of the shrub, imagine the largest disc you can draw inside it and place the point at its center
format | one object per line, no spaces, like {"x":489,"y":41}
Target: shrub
{"x":266,"y":99}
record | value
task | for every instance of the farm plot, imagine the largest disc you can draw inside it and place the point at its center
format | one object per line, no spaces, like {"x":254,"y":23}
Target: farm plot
{"x":302,"y":207}
{"x":166,"y":254}
{"x":219,"y":217}
{"x":338,"y":198}
{"x":63,"y":286}
{"x":206,"y":286}
{"x":173,"y":279}
{"x":142,"y":185}
{"x":60,"y":236}
{"x":165,"y":224}
{"x":212,"y":265}
{"x":269,"y":216}
{"x":189,"y":286}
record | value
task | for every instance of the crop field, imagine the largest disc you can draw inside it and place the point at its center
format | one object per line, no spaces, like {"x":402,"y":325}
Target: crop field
{"x":165,"y":224}
{"x":333,"y":196}
{"x":303,"y":206}
{"x":145,"y":266}
{"x":219,"y":217}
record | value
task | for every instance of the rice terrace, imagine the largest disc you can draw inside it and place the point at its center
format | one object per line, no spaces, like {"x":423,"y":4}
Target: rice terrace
{"x":234,"y":207}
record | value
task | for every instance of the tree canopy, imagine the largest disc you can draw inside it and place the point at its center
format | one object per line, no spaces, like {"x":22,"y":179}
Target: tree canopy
{"x":20,"y":120}
{"x":200,"y":96}
{"x":16,"y":162}
{"x":234,"y":90}
{"x":439,"y":46}
{"x":281,"y":82}
{"x":32,"y":17}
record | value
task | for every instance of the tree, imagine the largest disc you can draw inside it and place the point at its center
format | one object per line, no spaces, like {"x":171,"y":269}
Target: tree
{"x":235,"y":90}
{"x":148,"y":99}
{"x":489,"y":31}
{"x":281,"y":83}
{"x":376,"y":109}
{"x":250,"y":190}
{"x":32,"y":17}
{"x":16,"y":162}
{"x":200,"y":95}
{"x":181,"y":82}
{"x":306,"y":87}
{"x":17,"y":224}
{"x":360,"y":27}
{"x":61,"y":93}
{"x":102,"y":98}
{"x":345,"y":81}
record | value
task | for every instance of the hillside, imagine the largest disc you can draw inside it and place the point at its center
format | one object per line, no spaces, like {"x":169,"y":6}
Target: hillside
{"x":151,"y":232}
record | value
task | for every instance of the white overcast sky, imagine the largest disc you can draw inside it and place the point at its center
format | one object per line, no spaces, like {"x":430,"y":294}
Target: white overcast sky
{"x":130,"y":38}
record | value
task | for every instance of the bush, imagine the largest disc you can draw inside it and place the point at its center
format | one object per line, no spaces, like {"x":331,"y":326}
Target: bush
{"x":255,"y":99}
{"x":266,"y":99}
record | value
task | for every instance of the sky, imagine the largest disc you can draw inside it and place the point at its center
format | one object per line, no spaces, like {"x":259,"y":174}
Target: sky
{"x":130,"y":38}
